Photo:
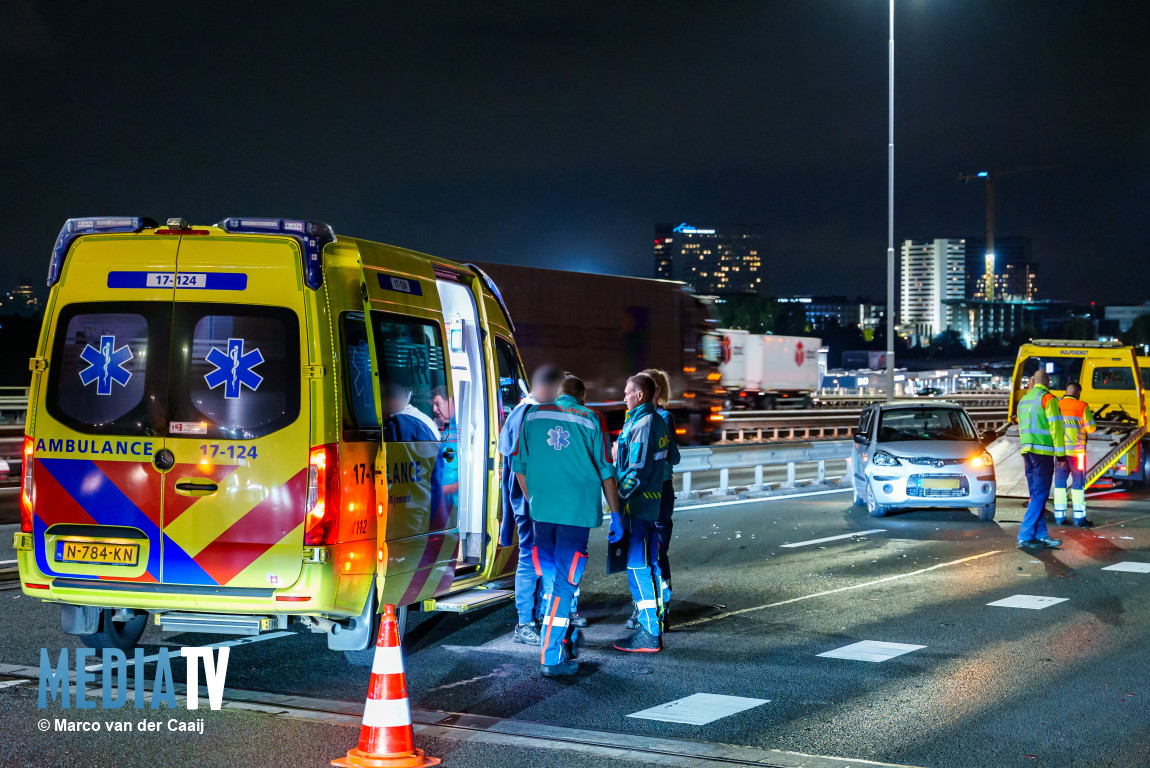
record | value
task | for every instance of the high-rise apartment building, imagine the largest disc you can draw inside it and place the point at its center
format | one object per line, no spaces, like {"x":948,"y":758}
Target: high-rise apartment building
{"x":720,"y":259}
{"x":933,"y":271}
{"x":1015,"y":275}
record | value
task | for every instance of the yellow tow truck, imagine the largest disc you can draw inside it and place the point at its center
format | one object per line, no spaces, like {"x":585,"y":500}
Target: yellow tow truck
{"x":1113,"y":386}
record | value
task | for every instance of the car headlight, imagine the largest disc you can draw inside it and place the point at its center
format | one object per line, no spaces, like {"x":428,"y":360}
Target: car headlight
{"x":982,"y":460}
{"x":884,"y":459}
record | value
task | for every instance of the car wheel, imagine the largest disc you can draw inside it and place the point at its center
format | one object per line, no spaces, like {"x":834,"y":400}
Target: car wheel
{"x":366,"y":657}
{"x":873,"y":507}
{"x":116,"y":634}
{"x":860,"y":500}
{"x":986,"y":514}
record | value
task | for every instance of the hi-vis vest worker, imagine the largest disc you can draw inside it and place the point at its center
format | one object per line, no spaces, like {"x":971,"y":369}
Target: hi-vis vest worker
{"x":230,"y":428}
{"x":1040,"y":423}
{"x":1077,"y":422}
{"x":563,"y":463}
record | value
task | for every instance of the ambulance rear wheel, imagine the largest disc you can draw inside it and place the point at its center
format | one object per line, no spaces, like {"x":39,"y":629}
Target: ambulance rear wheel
{"x":116,"y":634}
{"x":366,"y":657}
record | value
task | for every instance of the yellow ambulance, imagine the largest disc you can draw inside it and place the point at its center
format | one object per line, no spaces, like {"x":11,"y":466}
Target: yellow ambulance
{"x":238,"y":425}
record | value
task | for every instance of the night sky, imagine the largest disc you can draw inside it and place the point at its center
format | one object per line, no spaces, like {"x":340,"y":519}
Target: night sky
{"x":559,"y":134}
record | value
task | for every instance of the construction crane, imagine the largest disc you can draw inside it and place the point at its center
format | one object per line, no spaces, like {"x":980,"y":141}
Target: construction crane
{"x":989,"y":177}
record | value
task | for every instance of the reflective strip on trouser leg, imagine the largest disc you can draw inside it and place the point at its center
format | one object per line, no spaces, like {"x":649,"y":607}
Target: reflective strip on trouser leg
{"x":1078,"y":496}
{"x":1060,"y":501}
{"x":643,"y":575}
{"x":568,"y":560}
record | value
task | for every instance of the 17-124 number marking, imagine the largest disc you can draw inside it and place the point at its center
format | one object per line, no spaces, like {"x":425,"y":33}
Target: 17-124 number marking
{"x":213,"y":450}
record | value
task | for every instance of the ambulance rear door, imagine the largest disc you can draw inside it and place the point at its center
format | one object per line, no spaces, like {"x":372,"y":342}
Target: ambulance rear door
{"x":238,"y":425}
{"x":98,"y":411}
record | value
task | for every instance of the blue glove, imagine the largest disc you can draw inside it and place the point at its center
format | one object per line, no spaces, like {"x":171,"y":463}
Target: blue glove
{"x":616,"y":531}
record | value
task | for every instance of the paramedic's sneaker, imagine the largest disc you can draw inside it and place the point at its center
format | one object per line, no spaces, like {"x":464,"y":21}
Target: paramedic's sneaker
{"x":526,"y":634}
{"x":1082,"y":522}
{"x":578,"y":621}
{"x":640,"y":642}
{"x":565,"y":668}
{"x":633,"y":622}
{"x":1048,"y":542}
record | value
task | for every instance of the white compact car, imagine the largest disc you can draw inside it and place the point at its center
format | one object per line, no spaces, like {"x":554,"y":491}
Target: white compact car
{"x":921,"y":455}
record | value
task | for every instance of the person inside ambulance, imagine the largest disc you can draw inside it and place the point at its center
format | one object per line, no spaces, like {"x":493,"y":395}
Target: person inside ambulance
{"x":641,"y":460}
{"x":516,"y":524}
{"x":562,"y":464}
{"x":406,"y":423}
{"x":1070,"y":473}
{"x":444,"y":409}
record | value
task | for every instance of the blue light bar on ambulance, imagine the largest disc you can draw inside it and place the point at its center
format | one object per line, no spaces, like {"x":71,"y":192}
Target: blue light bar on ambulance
{"x":491,"y":286}
{"x":312,"y":237}
{"x":95,"y":225}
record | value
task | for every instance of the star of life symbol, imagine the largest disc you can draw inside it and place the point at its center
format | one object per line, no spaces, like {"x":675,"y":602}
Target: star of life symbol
{"x":105,"y":365}
{"x":234,"y":369}
{"x":558,"y":438}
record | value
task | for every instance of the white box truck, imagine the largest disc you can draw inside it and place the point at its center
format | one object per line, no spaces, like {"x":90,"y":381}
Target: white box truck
{"x":765,"y":372}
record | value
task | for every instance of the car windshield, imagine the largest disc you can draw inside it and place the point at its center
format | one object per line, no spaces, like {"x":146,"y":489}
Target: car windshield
{"x":925,"y":424}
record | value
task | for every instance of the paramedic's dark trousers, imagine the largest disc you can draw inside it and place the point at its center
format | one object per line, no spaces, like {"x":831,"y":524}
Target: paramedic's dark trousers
{"x":643,"y":572}
{"x":526,"y":572}
{"x":666,"y":527}
{"x":562,"y":553}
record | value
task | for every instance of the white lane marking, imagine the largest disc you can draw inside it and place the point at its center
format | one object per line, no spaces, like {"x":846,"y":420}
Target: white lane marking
{"x":699,"y":708}
{"x":8,"y":562}
{"x":1129,"y":566}
{"x":729,"y":614}
{"x":833,"y":538}
{"x":12,"y":683}
{"x":764,"y":498}
{"x":871,"y":650}
{"x":1033,"y":602}
{"x":175,"y":651}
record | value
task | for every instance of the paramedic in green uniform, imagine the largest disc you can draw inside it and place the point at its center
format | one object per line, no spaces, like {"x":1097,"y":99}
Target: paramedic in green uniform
{"x":562,"y":463}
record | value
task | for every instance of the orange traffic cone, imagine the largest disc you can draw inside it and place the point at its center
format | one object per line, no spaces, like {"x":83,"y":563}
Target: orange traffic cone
{"x":385,"y":738}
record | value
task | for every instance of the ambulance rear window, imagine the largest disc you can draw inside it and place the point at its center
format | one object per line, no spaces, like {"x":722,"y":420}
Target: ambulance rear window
{"x":101,"y":378}
{"x":235,"y":369}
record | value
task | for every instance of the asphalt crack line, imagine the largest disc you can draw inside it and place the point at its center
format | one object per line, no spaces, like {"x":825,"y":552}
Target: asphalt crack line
{"x":729,"y":614}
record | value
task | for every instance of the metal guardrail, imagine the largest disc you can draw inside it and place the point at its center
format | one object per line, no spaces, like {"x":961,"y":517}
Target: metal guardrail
{"x":694,"y":460}
{"x":770,"y":426}
{"x":966,"y":398}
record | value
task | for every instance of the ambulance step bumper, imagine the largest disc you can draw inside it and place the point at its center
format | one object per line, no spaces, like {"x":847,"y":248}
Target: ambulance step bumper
{"x":469,"y":600}
{"x":215,"y":623}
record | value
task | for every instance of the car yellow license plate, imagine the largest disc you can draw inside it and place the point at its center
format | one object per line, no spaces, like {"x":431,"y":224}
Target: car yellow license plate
{"x":941,"y":483}
{"x":97,"y":552}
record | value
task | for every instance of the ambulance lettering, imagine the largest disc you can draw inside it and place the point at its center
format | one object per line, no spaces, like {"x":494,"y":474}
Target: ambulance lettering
{"x":95,"y":447}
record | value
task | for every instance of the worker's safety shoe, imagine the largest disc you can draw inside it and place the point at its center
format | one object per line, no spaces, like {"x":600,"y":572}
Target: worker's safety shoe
{"x":526,"y":635}
{"x":640,"y":642}
{"x":565,"y":668}
{"x":1049,"y":543}
{"x":1060,"y":520}
{"x":1082,"y":522}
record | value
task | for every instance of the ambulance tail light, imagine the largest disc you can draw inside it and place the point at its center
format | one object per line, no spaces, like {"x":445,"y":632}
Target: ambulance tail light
{"x":322,"y":521}
{"x":311,"y":235}
{"x":26,"y":486}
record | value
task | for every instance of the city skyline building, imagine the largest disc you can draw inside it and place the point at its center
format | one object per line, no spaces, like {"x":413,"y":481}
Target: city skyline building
{"x":715,"y":259}
{"x":932,"y":272}
{"x":1015,"y":274}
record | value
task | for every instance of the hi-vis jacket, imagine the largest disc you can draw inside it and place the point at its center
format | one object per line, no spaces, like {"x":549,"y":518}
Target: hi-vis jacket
{"x":1077,"y":423}
{"x":1040,"y":423}
{"x":641,"y":461}
{"x":562,"y":451}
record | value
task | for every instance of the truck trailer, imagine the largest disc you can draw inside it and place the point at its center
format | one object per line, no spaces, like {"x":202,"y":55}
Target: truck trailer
{"x":604,"y":328}
{"x":764,"y":372}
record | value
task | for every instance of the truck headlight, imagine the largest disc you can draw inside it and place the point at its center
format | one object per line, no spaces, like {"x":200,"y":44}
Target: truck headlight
{"x":884,"y":459}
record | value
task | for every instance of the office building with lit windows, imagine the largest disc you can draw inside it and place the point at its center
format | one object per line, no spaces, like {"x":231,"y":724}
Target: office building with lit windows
{"x":933,"y":272}
{"x":1015,"y":275}
{"x":714,"y":260}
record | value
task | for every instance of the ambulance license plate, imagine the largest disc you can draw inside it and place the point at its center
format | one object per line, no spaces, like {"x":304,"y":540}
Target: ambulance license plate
{"x":97,"y":552}
{"x":941,"y":483}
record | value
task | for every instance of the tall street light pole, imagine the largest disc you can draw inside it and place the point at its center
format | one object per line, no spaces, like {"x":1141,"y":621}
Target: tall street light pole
{"x":890,"y":216}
